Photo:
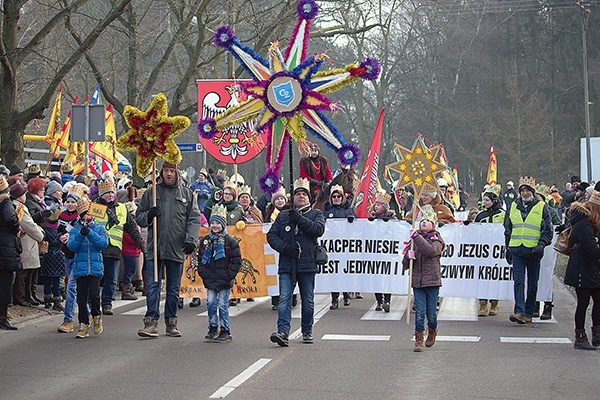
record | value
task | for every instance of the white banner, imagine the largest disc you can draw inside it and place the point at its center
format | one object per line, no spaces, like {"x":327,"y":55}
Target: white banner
{"x":366,"y":256}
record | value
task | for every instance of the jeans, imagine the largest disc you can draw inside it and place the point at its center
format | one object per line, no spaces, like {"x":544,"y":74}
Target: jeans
{"x":71,"y":292}
{"x":306,"y":283}
{"x":52,"y":286}
{"x":218,"y":300}
{"x":111,"y":278}
{"x":174,"y":270}
{"x":425,"y":303}
{"x":531,"y":266}
{"x":129,"y":267}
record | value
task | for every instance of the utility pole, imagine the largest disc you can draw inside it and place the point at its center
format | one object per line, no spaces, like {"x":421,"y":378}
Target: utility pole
{"x":584,"y":7}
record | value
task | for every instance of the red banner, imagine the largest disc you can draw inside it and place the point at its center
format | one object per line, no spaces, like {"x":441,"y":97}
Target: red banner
{"x":367,"y":188}
{"x":235,"y":144}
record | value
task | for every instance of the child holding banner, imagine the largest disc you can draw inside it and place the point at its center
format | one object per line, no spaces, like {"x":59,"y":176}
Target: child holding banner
{"x":425,"y":249}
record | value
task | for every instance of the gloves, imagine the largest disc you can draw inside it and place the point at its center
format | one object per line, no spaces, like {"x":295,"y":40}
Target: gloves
{"x":231,"y":283}
{"x":292,"y":250}
{"x":411,"y":254}
{"x":46,"y":213}
{"x":351,"y":218}
{"x":315,"y":182}
{"x":414,"y":233}
{"x":385,"y":219}
{"x":371,"y":218}
{"x":560,"y":228}
{"x":112,"y":219}
{"x":294,"y":215}
{"x":85,"y":230}
{"x":189,"y":248}
{"x":538,"y":251}
{"x":153,"y":212}
{"x":240,"y":225}
{"x":467,"y":222}
{"x":508,"y":257}
{"x":204,"y":196}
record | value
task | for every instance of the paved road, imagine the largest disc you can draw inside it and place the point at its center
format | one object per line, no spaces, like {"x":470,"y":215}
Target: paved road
{"x":358,"y":354}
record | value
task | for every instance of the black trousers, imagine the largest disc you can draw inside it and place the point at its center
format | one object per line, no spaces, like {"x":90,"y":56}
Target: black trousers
{"x":6,"y":283}
{"x":383,"y":297}
{"x":88,"y":288}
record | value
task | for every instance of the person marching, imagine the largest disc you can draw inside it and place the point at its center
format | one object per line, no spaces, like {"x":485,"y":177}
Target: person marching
{"x":381,"y":210}
{"x":220,"y":260}
{"x":527,"y":230}
{"x":427,"y":245}
{"x":315,"y":168}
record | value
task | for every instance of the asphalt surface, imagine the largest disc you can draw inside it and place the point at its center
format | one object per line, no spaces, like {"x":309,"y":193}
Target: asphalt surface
{"x":475,"y":358}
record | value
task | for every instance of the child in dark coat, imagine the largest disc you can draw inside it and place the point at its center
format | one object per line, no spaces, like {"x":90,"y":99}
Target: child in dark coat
{"x":220,"y":260}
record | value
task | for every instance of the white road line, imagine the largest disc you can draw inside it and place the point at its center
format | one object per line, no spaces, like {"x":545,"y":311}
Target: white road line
{"x":321,"y":308}
{"x":241,"y":378}
{"x":440,"y":338}
{"x":356,"y":337}
{"x":397,"y":310}
{"x":543,"y":340}
{"x":455,"y":309}
{"x":241,"y":308}
{"x":121,"y":303}
{"x":547,"y":321}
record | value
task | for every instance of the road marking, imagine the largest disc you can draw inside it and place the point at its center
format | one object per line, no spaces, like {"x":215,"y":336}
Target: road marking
{"x":441,"y":338}
{"x":455,"y":309}
{"x":547,"y":321}
{"x":356,"y":337}
{"x":397,"y":310}
{"x":241,"y":378}
{"x":321,"y":308}
{"x":543,"y":340}
{"x":121,"y":303}
{"x":241,"y":308}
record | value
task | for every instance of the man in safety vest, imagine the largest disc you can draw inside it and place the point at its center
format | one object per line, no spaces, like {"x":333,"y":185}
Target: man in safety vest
{"x":527,"y":230}
{"x":116,"y":221}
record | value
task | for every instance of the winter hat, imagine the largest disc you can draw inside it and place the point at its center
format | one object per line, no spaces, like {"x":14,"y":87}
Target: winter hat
{"x":589,"y":190}
{"x":582,"y":186}
{"x":279,"y":193}
{"x":106,"y":186}
{"x":15,"y":169}
{"x":3,"y":185}
{"x":219,"y":214}
{"x":17,"y":190}
{"x":597,"y":186}
{"x":575,"y":178}
{"x":595,"y":198}
{"x":51,"y":187}
{"x":429,"y":193}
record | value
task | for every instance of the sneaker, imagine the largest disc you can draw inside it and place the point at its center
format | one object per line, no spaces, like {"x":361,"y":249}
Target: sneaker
{"x":358,"y":295}
{"x":518,"y":318}
{"x":180,"y":303}
{"x":527,"y":320}
{"x":212,"y":334}
{"x":107,"y":310}
{"x":378,"y":307}
{"x":307,"y":337}
{"x":346,"y":302}
{"x":224,"y":337}
{"x":98,"y":328}
{"x":82,"y":332}
{"x":386,"y":306}
{"x":280,"y":338}
{"x":66,"y":327}
{"x":195,"y":302}
{"x":334,"y":305}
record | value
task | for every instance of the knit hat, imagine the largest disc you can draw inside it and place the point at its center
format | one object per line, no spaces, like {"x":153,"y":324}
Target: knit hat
{"x":219,"y":214}
{"x":17,"y":190}
{"x":106,"y":186}
{"x":595,"y":198}
{"x":3,"y":185}
{"x":51,"y":187}
{"x":15,"y":169}
{"x":597,"y":186}
{"x":575,"y":178}
{"x":510,"y":183}
{"x":204,"y":172}
{"x":279,"y":193}
{"x":582,"y":186}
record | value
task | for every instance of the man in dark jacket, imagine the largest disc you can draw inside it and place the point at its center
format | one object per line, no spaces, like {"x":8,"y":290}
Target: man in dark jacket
{"x":294,"y":236}
{"x":178,"y":226}
{"x":527,"y":231}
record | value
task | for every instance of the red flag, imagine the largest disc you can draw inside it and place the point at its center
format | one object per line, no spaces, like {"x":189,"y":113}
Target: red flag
{"x":492,"y":174}
{"x":367,"y":188}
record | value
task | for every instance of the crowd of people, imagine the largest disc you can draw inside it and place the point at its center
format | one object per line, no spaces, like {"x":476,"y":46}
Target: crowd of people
{"x":132,"y":241}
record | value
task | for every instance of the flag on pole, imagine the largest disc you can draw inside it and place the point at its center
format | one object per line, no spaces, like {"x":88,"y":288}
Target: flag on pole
{"x":96,"y":99}
{"x":63,"y":140}
{"x":107,"y":150}
{"x":53,"y":132}
{"x":76,"y":156}
{"x":369,"y":182}
{"x":492,"y":174}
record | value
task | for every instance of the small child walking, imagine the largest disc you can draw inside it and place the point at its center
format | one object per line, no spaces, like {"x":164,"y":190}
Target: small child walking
{"x":87,"y":239}
{"x":220,"y":260}
{"x":427,"y":247}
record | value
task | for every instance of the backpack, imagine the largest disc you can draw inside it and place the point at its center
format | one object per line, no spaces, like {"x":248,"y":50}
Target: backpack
{"x":563,"y":243}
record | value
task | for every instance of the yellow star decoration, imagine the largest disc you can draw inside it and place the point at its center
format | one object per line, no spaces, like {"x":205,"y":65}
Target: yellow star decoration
{"x":418,"y":166}
{"x":151,"y":134}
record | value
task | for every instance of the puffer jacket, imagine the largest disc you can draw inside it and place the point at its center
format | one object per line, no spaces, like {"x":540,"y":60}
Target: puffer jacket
{"x":217,"y":274}
{"x":10,"y":244}
{"x":426,"y":266}
{"x":583,"y":268}
{"x":310,"y":227}
{"x":88,"y":250}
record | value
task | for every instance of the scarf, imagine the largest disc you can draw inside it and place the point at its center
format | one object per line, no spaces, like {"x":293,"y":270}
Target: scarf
{"x":230,"y":205}
{"x":216,"y":245}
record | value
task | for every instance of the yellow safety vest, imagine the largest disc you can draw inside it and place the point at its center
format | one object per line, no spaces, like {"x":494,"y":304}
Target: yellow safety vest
{"x":495,"y":219}
{"x":115,"y":233}
{"x":528,"y":232}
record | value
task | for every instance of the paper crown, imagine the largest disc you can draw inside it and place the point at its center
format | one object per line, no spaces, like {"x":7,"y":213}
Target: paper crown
{"x":527,"y":181}
{"x":542,"y":189}
{"x":83,"y":205}
{"x":245,"y":190}
{"x":34,"y":169}
{"x":337,"y":189}
{"x":382,"y":197}
{"x":302,"y":183}
{"x":595,"y":198}
{"x":427,"y":213}
{"x":495,"y":188}
{"x":222,"y":173}
{"x":204,"y":172}
{"x":105,"y":186}
{"x":77,"y":192}
{"x":3,"y":184}
{"x":219,"y":211}
{"x":237,"y":178}
{"x":67,"y":167}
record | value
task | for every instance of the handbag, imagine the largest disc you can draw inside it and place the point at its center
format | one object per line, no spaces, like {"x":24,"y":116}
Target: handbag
{"x":321,"y":256}
{"x":563,"y":242}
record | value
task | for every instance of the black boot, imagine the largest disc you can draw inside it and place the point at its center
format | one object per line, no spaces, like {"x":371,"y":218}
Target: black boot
{"x":536,"y":310}
{"x":195,"y":302}
{"x":334,"y":305}
{"x":547,"y":314}
{"x":34,"y":285}
{"x":180,"y":303}
{"x":581,"y":340}
{"x":48,"y":301}
{"x":138,"y":285}
{"x":595,"y":336}
{"x":346,"y":299}
{"x":4,"y":322}
{"x":58,"y":304}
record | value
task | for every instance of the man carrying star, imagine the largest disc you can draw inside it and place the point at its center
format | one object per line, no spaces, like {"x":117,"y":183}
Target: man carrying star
{"x":315,"y":168}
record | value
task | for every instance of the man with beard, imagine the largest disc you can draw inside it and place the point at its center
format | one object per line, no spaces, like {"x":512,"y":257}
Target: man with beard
{"x":177,"y":220}
{"x":527,"y":230}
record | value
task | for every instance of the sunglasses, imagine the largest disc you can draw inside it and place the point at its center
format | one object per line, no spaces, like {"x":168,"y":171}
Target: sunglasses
{"x":336,"y":196}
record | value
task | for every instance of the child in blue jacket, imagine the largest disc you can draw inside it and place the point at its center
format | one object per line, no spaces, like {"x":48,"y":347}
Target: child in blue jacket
{"x":87,"y":239}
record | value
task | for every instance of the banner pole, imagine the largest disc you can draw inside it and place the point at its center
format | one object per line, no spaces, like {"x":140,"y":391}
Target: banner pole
{"x":154,"y":228}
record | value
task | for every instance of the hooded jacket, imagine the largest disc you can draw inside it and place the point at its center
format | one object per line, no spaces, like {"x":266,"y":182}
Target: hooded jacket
{"x":583,"y":268}
{"x":88,"y":250}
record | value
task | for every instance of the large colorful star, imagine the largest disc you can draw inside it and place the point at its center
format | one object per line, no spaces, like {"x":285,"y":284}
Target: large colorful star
{"x":417,"y":167}
{"x":151,"y":134}
{"x":288,"y":94}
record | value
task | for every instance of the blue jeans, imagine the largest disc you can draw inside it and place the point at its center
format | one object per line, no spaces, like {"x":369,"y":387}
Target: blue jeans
{"x":174,"y":270}
{"x":71,"y":292}
{"x":306,"y":283}
{"x":531,"y":267}
{"x":425,"y":303}
{"x":112,"y":268}
{"x":218,"y":300}
{"x":52,"y":286}
{"x":129,"y":267}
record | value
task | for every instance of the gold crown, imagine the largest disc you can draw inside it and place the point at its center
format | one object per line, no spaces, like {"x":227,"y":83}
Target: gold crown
{"x":34,"y":169}
{"x":382,"y":197}
{"x":245,"y":190}
{"x":3,"y":183}
{"x":542,"y":189}
{"x":427,"y":213}
{"x":106,"y":185}
{"x":83,"y":205}
{"x":77,"y":191}
{"x":302,"y":183}
{"x":219,"y":211}
{"x":495,"y":188}
{"x":528,"y":181}
{"x":222,"y":173}
{"x":67,"y":166}
{"x":204,"y":172}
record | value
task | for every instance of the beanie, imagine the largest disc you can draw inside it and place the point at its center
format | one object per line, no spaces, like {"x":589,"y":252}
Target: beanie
{"x":15,"y":169}
{"x":51,"y":187}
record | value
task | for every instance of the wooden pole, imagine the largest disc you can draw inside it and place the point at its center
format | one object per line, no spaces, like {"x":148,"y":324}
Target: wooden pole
{"x":154,"y":229}
{"x":417,"y":208}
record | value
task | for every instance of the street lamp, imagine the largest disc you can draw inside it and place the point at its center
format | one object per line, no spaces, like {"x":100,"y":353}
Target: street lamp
{"x":584,"y":7}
